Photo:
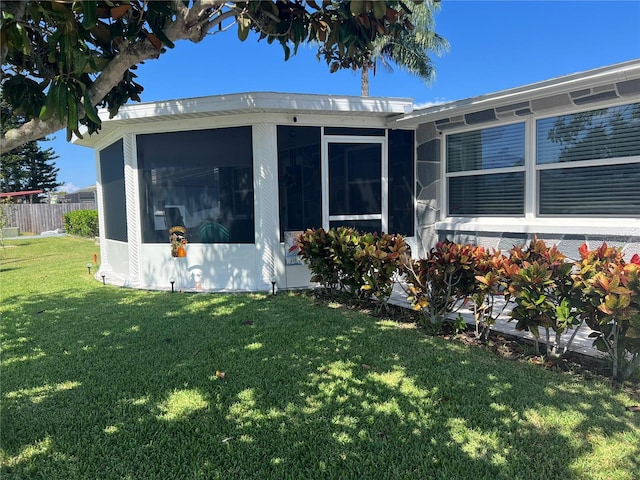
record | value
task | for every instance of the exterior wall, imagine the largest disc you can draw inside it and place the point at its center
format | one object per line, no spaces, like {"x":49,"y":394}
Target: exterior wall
{"x":118,"y":255}
{"x":207,"y":267}
{"x":428,"y":186}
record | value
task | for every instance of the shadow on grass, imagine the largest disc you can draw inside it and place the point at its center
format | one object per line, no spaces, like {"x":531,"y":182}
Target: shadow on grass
{"x":126,"y":384}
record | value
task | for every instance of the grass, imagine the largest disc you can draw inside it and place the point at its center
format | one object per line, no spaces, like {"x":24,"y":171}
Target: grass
{"x":110,"y":383}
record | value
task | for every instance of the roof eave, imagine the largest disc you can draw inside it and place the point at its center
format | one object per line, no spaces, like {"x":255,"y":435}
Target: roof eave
{"x":601,"y":76}
{"x":252,"y":102}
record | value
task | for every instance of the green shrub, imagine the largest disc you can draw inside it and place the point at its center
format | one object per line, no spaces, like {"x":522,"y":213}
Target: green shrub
{"x":378,"y":260}
{"x":361,"y":264}
{"x":492,"y":274}
{"x":83,"y":223}
{"x":609,"y":301}
{"x":314,"y":248}
{"x":440,"y":284}
{"x":542,"y":288}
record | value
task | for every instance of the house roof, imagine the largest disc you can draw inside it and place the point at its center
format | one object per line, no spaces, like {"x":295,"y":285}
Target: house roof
{"x":20,"y":194}
{"x":582,"y":88}
{"x":254,"y":102}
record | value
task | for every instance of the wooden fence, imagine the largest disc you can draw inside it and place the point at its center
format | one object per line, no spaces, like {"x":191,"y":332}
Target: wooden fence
{"x":40,"y":217}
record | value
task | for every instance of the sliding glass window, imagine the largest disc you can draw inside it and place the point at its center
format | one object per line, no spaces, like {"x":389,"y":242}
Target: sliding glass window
{"x":486,"y":171}
{"x":588,"y":163}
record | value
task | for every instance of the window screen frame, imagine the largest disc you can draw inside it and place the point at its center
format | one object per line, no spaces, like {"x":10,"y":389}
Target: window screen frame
{"x":242,"y":230}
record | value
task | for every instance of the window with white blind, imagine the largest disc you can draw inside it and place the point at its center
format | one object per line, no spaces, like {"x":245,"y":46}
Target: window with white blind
{"x":585,"y":164}
{"x":486,"y":171}
{"x":588,"y":163}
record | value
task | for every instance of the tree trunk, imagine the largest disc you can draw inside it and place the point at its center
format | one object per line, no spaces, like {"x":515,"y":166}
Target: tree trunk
{"x":364,"y":81}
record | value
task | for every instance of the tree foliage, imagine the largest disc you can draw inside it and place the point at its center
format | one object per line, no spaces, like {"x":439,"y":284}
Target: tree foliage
{"x":27,"y":167}
{"x":63,"y":59}
{"x":411,"y":50}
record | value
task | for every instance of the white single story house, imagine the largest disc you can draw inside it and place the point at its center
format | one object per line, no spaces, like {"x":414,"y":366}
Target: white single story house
{"x":242,"y":173}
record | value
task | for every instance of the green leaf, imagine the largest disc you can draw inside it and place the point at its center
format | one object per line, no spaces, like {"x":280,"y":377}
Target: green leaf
{"x":91,"y":111}
{"x":51,"y":102}
{"x":90,"y":14}
{"x":244,"y":25}
{"x":61,"y":102}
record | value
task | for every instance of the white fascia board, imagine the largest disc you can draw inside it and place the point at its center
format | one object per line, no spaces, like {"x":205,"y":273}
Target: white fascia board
{"x":266,"y":102}
{"x":591,"y":78}
{"x":253,"y":102}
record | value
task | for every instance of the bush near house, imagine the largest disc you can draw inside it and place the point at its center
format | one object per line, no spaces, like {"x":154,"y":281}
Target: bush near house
{"x":83,"y":223}
{"x":544,"y":291}
{"x":361,"y":264}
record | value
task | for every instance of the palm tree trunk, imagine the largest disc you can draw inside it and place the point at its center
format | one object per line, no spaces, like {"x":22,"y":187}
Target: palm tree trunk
{"x":364,"y":82}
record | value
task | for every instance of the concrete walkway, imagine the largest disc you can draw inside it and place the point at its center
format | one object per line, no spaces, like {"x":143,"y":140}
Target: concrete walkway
{"x":580,"y":344}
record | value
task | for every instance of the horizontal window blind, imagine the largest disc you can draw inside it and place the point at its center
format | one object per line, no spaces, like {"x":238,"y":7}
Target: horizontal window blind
{"x":496,"y":147}
{"x":611,"y":190}
{"x":496,"y":194}
{"x":597,"y":134}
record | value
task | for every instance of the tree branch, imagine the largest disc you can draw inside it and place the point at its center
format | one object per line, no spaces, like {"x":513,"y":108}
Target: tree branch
{"x":32,"y":130}
{"x":191,"y":24}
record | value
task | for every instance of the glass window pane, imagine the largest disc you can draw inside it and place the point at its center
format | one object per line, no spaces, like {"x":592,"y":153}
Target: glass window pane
{"x":299,"y":178}
{"x":202,"y":179}
{"x":354,"y":178}
{"x":401,"y":182}
{"x":497,"y":195}
{"x":113,"y":191}
{"x":594,"y":191}
{"x":496,"y":147}
{"x":366,"y":226}
{"x":354,"y":131}
{"x":597,"y":134}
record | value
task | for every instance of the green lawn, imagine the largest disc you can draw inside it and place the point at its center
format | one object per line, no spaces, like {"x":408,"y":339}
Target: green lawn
{"x":110,"y":383}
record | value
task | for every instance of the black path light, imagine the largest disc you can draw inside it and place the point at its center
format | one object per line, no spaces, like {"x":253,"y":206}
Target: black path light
{"x":89,"y":268}
{"x":172,"y":281}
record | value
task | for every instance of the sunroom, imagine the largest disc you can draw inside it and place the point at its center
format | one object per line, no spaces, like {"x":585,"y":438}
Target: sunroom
{"x":207,"y":194}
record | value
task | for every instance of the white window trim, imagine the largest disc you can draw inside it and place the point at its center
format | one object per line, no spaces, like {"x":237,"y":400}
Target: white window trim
{"x":532,"y":222}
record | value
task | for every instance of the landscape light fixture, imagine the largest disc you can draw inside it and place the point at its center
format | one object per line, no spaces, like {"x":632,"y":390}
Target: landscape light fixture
{"x":273,"y":286}
{"x":103,"y":281}
{"x":172,"y":281}
{"x":89,"y":268}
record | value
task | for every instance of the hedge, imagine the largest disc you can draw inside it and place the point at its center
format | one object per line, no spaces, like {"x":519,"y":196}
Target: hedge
{"x":83,"y":223}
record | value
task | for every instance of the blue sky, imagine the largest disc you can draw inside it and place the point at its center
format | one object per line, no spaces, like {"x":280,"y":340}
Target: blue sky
{"x":495,"y":45}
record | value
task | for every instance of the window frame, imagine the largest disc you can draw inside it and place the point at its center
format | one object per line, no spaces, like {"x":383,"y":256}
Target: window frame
{"x":532,"y":221}
{"x":601,"y":162}
{"x":383,"y":216}
{"x":141,"y":194}
{"x":490,"y":171}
